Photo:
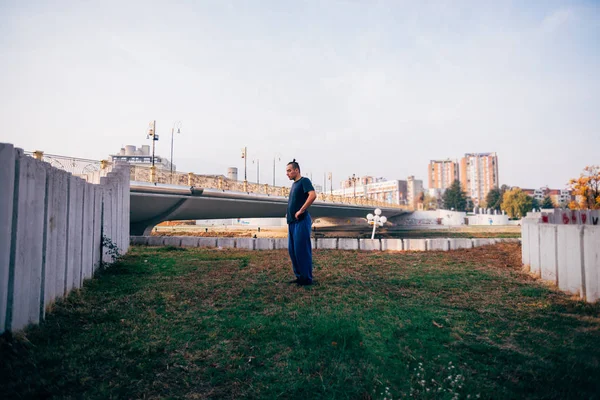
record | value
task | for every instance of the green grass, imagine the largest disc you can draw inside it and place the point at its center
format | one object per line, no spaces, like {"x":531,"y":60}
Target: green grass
{"x":167,"y":323}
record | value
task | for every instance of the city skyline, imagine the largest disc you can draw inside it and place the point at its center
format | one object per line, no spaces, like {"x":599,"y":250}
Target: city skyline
{"x":348,"y":87}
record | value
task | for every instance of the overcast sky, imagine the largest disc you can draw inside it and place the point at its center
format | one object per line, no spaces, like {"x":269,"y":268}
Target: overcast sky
{"x":366,"y":87}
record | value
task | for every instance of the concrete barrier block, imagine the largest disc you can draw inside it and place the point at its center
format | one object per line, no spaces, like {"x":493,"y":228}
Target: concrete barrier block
{"x":97,"y":240}
{"x":55,"y":238}
{"x":438,"y":244}
{"x":570,"y":258}
{"x":534,"y":249}
{"x":369,"y":244}
{"x":74,"y":234}
{"x":107,"y":220}
{"x":548,"y":253}
{"x":391,"y":245}
{"x":280,"y":243}
{"x":244,"y":243}
{"x":327,"y":243}
{"x":172,"y":241}
{"x":156,"y":240}
{"x":139,"y":240}
{"x":415,"y":244}
{"x":483,"y":242}
{"x":189,"y":241}
{"x":226,"y":243}
{"x":456,"y":244}
{"x":264,"y":244}
{"x":591,"y":262}
{"x":26,"y":266}
{"x":525,"y":243}
{"x":7,"y":183}
{"x":594,"y":216}
{"x":313,"y":243}
{"x":347,"y":244}
{"x":206,"y":242}
{"x":87,"y":263}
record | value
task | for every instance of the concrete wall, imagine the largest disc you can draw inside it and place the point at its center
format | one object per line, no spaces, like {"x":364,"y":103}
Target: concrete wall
{"x":50,"y":233}
{"x":563,"y":247}
{"x":320,"y":243}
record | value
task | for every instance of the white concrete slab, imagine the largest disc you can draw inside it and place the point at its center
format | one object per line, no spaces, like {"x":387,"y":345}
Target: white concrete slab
{"x":281,"y":243}
{"x":55,"y":246}
{"x":438,"y":245}
{"x":172,"y":241}
{"x":26,"y":259}
{"x":534,"y":249}
{"x":189,"y":241}
{"x":591,"y":261}
{"x":7,"y":185}
{"x":226,"y":243}
{"x":139,"y":240}
{"x":415,"y":244}
{"x":87,"y":251}
{"x":156,"y":240}
{"x":478,"y":242}
{"x":327,"y":243}
{"x":570,"y":258}
{"x":391,"y":245}
{"x":244,"y":243}
{"x":369,"y":244}
{"x":347,"y":244}
{"x":97,"y":240}
{"x":525,"y":243}
{"x":264,"y":244}
{"x":206,"y":242}
{"x":461,"y":243}
{"x":548,"y":252}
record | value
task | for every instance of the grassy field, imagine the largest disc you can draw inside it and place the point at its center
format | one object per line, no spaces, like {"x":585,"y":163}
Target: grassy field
{"x":174,"y":323}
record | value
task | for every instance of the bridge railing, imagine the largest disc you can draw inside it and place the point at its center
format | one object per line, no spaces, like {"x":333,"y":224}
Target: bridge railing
{"x":93,"y":170}
{"x":220,"y":182}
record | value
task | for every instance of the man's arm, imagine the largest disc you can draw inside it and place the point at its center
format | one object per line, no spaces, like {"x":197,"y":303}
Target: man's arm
{"x":311,"y":198}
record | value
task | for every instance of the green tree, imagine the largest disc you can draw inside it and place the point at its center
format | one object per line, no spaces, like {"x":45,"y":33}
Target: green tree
{"x":493,"y":199}
{"x":517,"y":203}
{"x":535,"y":204}
{"x":547,"y":202}
{"x":430,"y":202}
{"x":455,"y":198}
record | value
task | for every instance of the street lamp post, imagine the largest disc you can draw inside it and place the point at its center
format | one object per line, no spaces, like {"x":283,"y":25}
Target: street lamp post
{"x":152,"y":134}
{"x":245,"y":157}
{"x":257,"y":162}
{"x":276,"y":158}
{"x":330,"y":176}
{"x":354,"y":179}
{"x":178,"y":126}
{"x":376,"y":220}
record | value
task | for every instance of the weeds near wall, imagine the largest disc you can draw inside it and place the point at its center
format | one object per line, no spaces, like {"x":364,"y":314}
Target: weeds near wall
{"x":111,"y":247}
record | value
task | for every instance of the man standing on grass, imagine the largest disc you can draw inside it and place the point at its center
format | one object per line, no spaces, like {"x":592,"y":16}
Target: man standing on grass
{"x":302,"y":195}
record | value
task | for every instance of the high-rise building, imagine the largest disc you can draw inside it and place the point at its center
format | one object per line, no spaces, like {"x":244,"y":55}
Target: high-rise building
{"x":478,"y":175}
{"x":414,"y":187}
{"x":441,"y":174}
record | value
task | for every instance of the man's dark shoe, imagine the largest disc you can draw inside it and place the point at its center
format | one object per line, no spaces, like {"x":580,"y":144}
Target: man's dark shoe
{"x":304,"y":282}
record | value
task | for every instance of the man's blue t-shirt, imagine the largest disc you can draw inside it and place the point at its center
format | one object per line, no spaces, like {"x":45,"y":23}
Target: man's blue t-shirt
{"x":298,"y":196}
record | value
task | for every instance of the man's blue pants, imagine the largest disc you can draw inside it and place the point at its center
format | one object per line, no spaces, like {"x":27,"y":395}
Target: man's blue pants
{"x":300,"y":249}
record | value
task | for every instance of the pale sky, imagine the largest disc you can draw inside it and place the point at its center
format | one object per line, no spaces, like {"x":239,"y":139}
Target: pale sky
{"x":366,"y":87}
